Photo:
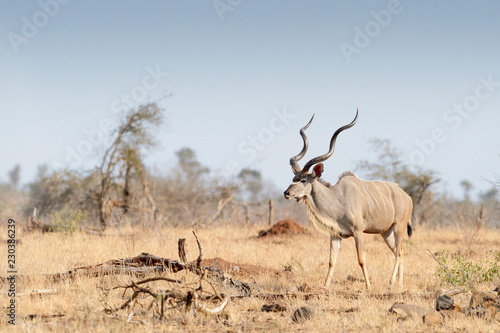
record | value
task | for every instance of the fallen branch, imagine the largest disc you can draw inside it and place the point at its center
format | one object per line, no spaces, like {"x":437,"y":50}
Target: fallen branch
{"x":185,"y":293}
{"x":137,"y":266}
{"x":141,"y":265}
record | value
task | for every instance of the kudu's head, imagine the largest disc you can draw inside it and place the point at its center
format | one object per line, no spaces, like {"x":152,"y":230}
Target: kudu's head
{"x":302,"y":181}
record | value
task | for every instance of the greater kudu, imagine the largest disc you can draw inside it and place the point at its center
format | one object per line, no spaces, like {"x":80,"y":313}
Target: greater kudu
{"x":351,"y":207}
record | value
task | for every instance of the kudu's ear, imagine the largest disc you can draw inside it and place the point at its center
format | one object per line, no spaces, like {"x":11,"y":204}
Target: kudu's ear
{"x":318,"y":170}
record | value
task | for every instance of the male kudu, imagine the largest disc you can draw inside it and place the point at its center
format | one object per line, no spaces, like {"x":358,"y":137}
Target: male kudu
{"x":351,"y":207}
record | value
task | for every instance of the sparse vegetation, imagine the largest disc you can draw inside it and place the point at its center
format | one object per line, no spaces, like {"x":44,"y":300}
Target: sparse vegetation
{"x":457,"y":270}
{"x":67,"y":220}
{"x":75,"y":305}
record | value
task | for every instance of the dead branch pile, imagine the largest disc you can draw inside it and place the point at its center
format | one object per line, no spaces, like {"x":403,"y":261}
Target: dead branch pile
{"x":174,"y":293}
{"x":187,"y":296}
{"x":146,"y":263}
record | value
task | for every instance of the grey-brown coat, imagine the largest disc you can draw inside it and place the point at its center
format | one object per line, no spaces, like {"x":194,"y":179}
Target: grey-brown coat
{"x":352,"y":207}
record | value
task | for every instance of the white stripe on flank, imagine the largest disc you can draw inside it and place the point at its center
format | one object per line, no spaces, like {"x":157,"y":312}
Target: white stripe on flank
{"x":391,"y":199}
{"x":367,"y":195}
{"x":382,"y":197}
{"x":401,"y":200}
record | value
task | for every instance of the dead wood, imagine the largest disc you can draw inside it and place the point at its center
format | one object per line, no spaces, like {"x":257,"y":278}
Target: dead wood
{"x":137,"y":266}
{"x":183,"y":293}
{"x":146,"y":263}
{"x":181,"y":246}
{"x":271,"y":212}
{"x":200,"y":249}
{"x":186,"y":295}
{"x":141,"y":265}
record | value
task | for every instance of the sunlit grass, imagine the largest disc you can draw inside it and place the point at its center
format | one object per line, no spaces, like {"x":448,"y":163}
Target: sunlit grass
{"x":305,"y":255}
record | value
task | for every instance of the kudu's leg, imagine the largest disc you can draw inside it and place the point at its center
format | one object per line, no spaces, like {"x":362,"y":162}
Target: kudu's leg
{"x":398,"y":265}
{"x":334,"y":251}
{"x":358,"y":239}
{"x":388,"y":237}
{"x":400,"y":269}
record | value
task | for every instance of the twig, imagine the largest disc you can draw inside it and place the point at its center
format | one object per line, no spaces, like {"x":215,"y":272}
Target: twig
{"x":124,"y":305}
{"x":444,"y":266}
{"x":157,"y":278}
{"x":198,"y":261}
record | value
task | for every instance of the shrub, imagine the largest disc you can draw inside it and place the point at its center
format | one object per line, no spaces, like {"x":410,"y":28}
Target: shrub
{"x":67,"y":220}
{"x":459,"y":271}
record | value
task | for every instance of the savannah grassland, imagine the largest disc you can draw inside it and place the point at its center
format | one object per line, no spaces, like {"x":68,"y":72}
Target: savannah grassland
{"x":306,"y":255}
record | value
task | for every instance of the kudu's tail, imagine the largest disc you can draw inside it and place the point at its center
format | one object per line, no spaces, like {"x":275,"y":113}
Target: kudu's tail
{"x":409,"y":229}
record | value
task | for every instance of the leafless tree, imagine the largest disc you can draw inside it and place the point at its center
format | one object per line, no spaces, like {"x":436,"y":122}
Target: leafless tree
{"x":124,"y":156}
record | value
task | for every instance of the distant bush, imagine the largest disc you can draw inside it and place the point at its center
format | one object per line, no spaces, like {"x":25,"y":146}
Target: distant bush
{"x":459,"y":271}
{"x":67,"y":220}
{"x":52,"y":190}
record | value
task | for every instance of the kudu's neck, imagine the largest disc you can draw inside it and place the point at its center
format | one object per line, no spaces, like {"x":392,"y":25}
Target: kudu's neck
{"x":322,"y":200}
{"x":323,"y":208}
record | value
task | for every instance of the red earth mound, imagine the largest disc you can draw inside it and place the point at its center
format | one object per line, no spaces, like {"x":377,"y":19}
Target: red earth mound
{"x":283,"y":228}
{"x":239,"y":269}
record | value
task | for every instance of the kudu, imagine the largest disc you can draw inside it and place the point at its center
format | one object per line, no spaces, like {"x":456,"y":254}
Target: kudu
{"x":351,"y":207}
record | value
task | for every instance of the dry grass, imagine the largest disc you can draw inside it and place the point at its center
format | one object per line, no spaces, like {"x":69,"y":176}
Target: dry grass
{"x":306,"y":254}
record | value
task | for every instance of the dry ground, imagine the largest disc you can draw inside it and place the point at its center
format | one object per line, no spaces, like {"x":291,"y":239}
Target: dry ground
{"x":306,"y":255}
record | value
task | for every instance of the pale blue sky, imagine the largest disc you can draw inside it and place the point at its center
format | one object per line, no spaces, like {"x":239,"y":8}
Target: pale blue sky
{"x":233,"y":64}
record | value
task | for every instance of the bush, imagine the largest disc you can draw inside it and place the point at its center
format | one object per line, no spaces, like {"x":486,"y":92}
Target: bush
{"x":462,"y":272}
{"x":67,"y":220}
